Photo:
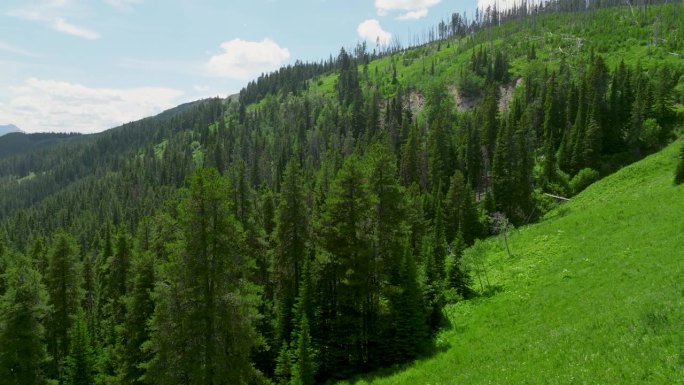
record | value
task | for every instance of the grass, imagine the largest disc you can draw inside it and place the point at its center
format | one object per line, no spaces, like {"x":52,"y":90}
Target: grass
{"x":615,"y":33}
{"x":594,"y":294}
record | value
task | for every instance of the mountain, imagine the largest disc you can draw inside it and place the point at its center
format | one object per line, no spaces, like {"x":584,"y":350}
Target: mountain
{"x":6,"y":129}
{"x":370,"y":179}
{"x":16,"y":143}
{"x":593,"y":293}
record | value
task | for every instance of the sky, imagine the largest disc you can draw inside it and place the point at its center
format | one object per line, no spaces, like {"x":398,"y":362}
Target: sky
{"x":90,"y":65}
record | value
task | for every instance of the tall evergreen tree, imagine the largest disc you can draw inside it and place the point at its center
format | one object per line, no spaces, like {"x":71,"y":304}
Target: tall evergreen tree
{"x":679,"y":173}
{"x":202,"y":330}
{"x":80,"y":363}
{"x":63,"y":281}
{"x":348,"y":304}
{"x":134,"y":332}
{"x":290,"y":247}
{"x":23,"y":308}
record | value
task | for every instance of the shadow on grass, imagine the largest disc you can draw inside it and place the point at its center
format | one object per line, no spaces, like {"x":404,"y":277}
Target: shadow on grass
{"x":436,"y":347}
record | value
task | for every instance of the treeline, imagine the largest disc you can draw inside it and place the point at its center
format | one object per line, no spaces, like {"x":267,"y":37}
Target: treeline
{"x":305,"y":238}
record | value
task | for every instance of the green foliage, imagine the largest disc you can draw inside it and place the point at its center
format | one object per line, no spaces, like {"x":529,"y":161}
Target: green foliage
{"x":63,"y":280}
{"x":373,"y":169}
{"x":679,"y":173}
{"x":80,"y":363}
{"x":23,"y":308}
{"x":205,"y":307}
{"x":583,"y":179}
{"x":598,"y":277}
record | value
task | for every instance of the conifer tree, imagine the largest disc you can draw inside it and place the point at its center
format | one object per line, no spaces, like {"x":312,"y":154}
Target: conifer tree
{"x":456,"y":277}
{"x":410,"y":161}
{"x":389,"y":212}
{"x":23,"y":308}
{"x":348,"y":304}
{"x":303,"y":352}
{"x":134,"y":331}
{"x":80,"y":363}
{"x":408,"y":332}
{"x":679,"y":173}
{"x":63,"y":281}
{"x":439,"y":154}
{"x":452,"y":206}
{"x":290,"y":247}
{"x":469,"y":222}
{"x":202,"y":330}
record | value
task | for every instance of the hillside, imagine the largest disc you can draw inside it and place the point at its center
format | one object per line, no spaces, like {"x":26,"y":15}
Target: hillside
{"x":314,"y":227}
{"x":16,"y":143}
{"x":592,"y":294}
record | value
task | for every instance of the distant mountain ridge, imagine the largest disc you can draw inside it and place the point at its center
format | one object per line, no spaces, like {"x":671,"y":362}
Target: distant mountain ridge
{"x":17,"y":142}
{"x":8,"y":128}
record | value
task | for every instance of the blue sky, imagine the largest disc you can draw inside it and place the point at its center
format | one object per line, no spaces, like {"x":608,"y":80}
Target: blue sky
{"x":86,"y":66}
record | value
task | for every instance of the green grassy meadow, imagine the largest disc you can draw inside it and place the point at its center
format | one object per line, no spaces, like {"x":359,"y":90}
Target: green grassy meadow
{"x":594,"y":294}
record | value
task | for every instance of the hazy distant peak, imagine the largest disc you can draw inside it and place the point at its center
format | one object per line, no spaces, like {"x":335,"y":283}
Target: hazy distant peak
{"x":7,"y":128}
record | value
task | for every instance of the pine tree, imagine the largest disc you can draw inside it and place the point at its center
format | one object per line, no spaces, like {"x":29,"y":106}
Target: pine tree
{"x":679,"y":174}
{"x":290,"y":247}
{"x":410,"y":161}
{"x":80,"y":363}
{"x":408,"y":333}
{"x":452,"y":206}
{"x":63,"y":281}
{"x":456,"y":277}
{"x":202,"y":330}
{"x":439,"y":155}
{"x":139,"y":308}
{"x":344,"y":232}
{"x":592,"y":145}
{"x":469,"y":222}
{"x":303,"y":368}
{"x":389,"y":213}
{"x":23,"y":308}
{"x":502,"y":170}
{"x":303,"y":352}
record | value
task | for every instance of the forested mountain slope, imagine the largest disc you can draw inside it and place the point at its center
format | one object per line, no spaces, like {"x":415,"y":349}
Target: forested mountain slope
{"x":157,"y":251}
{"x":592,"y":294}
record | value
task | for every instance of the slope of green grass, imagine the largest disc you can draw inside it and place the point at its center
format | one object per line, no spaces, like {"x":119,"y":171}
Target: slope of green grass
{"x":594,"y":294}
{"x":618,"y":33}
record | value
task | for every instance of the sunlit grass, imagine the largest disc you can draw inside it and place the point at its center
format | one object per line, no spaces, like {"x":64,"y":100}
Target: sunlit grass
{"x":592,"y":295}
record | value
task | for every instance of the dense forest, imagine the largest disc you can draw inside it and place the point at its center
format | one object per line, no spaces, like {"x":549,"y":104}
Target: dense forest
{"x":313,"y":227}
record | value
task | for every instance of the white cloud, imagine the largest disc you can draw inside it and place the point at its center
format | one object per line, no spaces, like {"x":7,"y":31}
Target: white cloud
{"x":414,"y":15}
{"x":50,"y":13}
{"x":62,"y":25}
{"x":10,"y":48}
{"x":372,"y":31}
{"x":410,"y":9}
{"x":243,"y":60}
{"x":49,"y":105}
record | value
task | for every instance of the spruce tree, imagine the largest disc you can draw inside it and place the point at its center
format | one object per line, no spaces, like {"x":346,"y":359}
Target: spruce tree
{"x":80,"y":363}
{"x":23,"y":308}
{"x":410,"y":161}
{"x":202,"y":330}
{"x":303,"y":352}
{"x":452,"y":206}
{"x":290,"y":247}
{"x":63,"y":281}
{"x":679,"y":173}
{"x":408,"y":334}
{"x":134,"y":332}
{"x":348,"y":305}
